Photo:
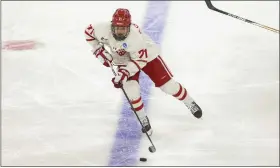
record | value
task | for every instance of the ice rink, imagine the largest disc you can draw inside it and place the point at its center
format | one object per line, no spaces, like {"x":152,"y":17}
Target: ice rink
{"x":59,"y":107}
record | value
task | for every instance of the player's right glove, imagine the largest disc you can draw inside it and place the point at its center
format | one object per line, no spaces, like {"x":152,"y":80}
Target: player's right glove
{"x":121,"y":77}
{"x":102,"y":55}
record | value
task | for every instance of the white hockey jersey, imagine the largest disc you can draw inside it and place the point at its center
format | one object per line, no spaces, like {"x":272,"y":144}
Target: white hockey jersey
{"x":135,"y":51}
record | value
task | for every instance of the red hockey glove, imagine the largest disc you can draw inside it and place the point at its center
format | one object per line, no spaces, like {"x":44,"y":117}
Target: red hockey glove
{"x":103,"y":56}
{"x":120,"y":78}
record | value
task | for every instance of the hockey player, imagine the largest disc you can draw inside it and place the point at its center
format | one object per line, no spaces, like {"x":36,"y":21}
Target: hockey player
{"x":133,"y":51}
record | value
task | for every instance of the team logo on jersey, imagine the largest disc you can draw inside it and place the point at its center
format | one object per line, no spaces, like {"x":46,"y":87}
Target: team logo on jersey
{"x":124,"y":45}
{"x":121,"y":52}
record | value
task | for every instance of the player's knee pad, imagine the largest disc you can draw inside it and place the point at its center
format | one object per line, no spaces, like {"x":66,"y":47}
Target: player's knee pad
{"x":170,"y":87}
{"x":132,"y":89}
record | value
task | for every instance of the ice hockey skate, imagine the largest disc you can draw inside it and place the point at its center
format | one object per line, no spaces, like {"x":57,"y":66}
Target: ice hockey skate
{"x":147,"y":126}
{"x":195,"y":109}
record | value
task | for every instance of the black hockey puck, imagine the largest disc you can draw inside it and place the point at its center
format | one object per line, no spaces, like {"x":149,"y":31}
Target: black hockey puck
{"x":143,"y":159}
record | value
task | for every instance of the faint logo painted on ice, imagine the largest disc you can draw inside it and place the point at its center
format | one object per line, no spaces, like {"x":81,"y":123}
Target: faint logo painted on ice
{"x":20,"y":45}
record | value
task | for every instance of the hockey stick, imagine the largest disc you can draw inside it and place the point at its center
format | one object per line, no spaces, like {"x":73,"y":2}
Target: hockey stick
{"x":152,"y":148}
{"x":210,"y":6}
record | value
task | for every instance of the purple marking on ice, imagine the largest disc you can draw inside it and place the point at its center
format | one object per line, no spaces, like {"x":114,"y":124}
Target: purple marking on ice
{"x":128,"y":136}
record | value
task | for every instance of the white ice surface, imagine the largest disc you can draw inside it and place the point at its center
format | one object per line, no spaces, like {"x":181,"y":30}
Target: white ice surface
{"x":59,"y":107}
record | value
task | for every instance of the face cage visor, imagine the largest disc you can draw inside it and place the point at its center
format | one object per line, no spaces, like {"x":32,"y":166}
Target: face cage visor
{"x":120,"y":32}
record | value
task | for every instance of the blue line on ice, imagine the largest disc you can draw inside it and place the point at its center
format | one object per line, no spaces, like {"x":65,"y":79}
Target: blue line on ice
{"x":128,"y":135}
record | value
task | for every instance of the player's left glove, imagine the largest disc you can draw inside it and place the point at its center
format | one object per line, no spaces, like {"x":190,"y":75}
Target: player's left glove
{"x":102,"y":55}
{"x":120,"y":78}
